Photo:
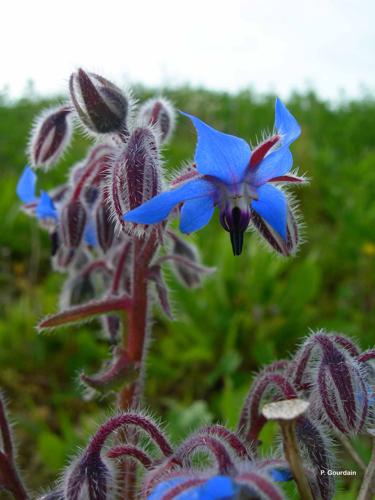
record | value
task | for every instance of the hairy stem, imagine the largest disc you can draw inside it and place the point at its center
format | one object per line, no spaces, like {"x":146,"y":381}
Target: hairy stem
{"x":135,"y":337}
{"x":351,"y":450}
{"x":367,"y":491}
{"x":294,"y":459}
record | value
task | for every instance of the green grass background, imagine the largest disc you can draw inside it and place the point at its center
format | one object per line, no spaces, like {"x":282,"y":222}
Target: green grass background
{"x":254,"y":309}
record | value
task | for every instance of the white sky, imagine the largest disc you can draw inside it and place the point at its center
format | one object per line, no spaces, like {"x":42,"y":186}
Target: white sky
{"x":231,"y":44}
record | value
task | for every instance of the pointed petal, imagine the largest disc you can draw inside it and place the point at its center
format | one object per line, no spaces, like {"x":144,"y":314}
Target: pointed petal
{"x":159,"y":207}
{"x":272,"y":207}
{"x":220,"y":155}
{"x":26,"y":186}
{"x":45,"y":208}
{"x":285,"y":123}
{"x":275,"y":164}
{"x":195,"y":214}
{"x":289,"y":179}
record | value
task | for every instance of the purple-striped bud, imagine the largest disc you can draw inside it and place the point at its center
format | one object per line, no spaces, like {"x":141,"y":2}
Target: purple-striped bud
{"x":50,"y":136}
{"x":89,"y":477}
{"x":273,"y":238}
{"x":136,"y":174}
{"x":101,"y":105}
{"x":160,"y":113}
{"x":105,"y":226}
{"x":73,"y":221}
{"x":316,"y":449}
{"x":341,"y":388}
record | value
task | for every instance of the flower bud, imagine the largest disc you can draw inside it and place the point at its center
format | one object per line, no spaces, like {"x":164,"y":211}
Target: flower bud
{"x":342,"y":390}
{"x":88,"y":477}
{"x":101,"y":106}
{"x":50,"y":137}
{"x":316,"y":449}
{"x":136,"y":174}
{"x":159,"y":112}
{"x":73,"y":221}
{"x":105,"y":226}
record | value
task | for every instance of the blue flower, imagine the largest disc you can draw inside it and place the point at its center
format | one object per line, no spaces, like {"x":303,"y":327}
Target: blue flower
{"x":215,"y":488}
{"x":233,"y":178}
{"x":26,"y":189}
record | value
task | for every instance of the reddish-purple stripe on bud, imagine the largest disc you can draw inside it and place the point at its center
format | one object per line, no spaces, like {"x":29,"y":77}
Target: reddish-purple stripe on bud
{"x":50,"y":137}
{"x":136,"y":173}
{"x":101,"y":106}
{"x":161,"y":114}
{"x":73,"y":220}
{"x":341,"y":388}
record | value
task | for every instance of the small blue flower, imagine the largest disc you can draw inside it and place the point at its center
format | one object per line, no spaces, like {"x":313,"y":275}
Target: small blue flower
{"x":215,"y":488}
{"x":26,"y":192}
{"x":233,"y":178}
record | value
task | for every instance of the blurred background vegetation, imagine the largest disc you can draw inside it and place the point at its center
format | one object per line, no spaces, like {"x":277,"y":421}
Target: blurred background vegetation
{"x":255,"y":308}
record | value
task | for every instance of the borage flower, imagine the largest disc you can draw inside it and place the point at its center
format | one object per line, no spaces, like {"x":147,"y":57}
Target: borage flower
{"x":43,"y":207}
{"x":238,"y":181}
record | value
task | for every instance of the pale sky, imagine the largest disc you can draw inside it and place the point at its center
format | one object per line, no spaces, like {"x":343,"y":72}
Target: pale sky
{"x":328,"y":45}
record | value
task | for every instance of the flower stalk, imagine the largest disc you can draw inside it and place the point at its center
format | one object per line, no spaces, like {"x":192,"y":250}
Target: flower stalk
{"x":285,"y":413}
{"x":367,"y":491}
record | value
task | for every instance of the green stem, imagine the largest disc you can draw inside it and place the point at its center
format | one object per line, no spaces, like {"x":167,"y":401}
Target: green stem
{"x":367,"y":491}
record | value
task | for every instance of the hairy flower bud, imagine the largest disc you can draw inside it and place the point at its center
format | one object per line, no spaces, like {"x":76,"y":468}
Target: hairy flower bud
{"x":50,"y":136}
{"x":159,"y":112}
{"x":342,"y":390}
{"x":73,"y":220}
{"x":101,"y":105}
{"x":316,"y":449}
{"x":88,"y":477}
{"x":136,"y":173}
{"x":105,"y":226}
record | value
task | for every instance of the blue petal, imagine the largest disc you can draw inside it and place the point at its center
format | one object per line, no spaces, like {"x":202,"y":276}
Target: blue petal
{"x":220,"y":155}
{"x":45,"y":208}
{"x":90,"y":233}
{"x":165,"y":486}
{"x":159,"y":207}
{"x":26,"y":186}
{"x":277,"y":163}
{"x":195,"y":214}
{"x":272,"y":207}
{"x":285,"y":123}
{"x":281,"y":475}
{"x":217,"y":488}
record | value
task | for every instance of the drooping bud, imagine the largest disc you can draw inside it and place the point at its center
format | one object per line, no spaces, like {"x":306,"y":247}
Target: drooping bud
{"x":105,"y":225}
{"x":50,"y":136}
{"x":73,"y":221}
{"x":135,"y":175}
{"x":268,"y":385}
{"x":101,"y":105}
{"x":341,"y":388}
{"x":159,"y":112}
{"x":316,"y":447}
{"x":89,"y":477}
